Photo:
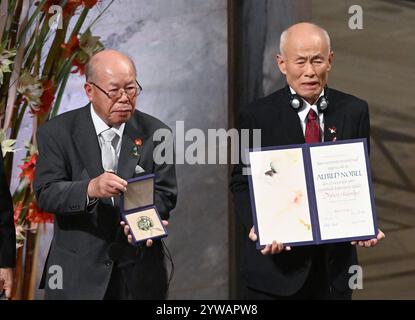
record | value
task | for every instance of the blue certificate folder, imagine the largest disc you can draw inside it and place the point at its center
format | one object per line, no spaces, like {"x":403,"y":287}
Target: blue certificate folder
{"x":138,"y":209}
{"x":312,"y":193}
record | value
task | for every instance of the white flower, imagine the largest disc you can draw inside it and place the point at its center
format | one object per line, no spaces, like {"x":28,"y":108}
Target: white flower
{"x":31,"y":89}
{"x":5,"y":61}
{"x":7,"y":145}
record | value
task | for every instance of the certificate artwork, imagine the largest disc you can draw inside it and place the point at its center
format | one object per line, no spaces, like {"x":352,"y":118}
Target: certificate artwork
{"x":281,"y":198}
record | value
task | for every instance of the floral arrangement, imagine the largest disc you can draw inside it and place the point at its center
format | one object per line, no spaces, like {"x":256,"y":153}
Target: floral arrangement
{"x":40,"y":46}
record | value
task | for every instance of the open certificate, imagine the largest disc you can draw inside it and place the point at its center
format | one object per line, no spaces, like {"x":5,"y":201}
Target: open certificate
{"x":312,"y":193}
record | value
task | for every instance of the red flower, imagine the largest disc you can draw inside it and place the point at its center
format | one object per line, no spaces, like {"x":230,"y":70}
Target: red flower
{"x":46,"y":99}
{"x":35,"y":215}
{"x":70,"y":47}
{"x":70,"y":7}
{"x":80,"y":67}
{"x":138,"y":142}
{"x":28,"y":168}
{"x":48,"y":96}
{"x":89,"y":3}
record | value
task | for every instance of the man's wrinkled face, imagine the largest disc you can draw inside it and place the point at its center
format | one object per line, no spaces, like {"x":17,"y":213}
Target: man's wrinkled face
{"x":306,"y":62}
{"x":112,"y":78}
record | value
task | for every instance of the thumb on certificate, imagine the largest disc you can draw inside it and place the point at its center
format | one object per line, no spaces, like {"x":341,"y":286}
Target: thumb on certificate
{"x":380,"y":235}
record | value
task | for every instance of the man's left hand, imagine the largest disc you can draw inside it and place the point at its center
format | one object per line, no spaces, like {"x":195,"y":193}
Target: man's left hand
{"x":371,"y":242}
{"x":149,"y":242}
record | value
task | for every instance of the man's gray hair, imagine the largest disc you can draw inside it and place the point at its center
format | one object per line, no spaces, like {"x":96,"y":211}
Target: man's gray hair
{"x":284,"y":34}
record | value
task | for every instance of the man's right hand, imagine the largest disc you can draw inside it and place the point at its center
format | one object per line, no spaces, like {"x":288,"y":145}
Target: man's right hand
{"x":106,"y":185}
{"x":274,"y":248}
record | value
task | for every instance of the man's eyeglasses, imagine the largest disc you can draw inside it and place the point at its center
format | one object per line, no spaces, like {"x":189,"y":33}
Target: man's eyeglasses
{"x":115,"y":94}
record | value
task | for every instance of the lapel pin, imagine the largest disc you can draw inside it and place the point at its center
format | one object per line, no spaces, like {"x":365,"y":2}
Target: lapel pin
{"x":137,"y":143}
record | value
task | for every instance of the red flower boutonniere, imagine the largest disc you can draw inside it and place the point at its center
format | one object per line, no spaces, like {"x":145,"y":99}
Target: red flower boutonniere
{"x":333,"y":131}
{"x":137,"y":143}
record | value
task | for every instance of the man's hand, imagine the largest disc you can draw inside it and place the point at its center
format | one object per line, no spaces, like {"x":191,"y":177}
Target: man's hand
{"x":106,"y":185}
{"x":371,"y":242}
{"x":149,"y":242}
{"x":275,"y":247}
{"x":6,"y":281}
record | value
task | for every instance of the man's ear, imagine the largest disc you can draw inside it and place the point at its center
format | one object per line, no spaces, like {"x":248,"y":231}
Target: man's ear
{"x":331,"y":57}
{"x":88,"y":90}
{"x":281,"y":64}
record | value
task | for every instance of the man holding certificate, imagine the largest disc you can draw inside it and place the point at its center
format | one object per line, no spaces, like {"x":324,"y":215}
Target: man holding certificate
{"x":305,"y":111}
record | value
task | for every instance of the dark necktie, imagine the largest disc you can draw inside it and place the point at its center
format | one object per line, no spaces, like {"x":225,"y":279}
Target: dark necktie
{"x":312,"y":129}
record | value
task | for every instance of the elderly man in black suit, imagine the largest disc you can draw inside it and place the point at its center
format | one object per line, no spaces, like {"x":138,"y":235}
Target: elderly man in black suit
{"x":7,"y":235}
{"x":297,"y":114}
{"x":85,"y":157}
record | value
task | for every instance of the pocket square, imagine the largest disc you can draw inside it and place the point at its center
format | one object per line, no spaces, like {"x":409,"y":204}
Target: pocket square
{"x":138,"y":169}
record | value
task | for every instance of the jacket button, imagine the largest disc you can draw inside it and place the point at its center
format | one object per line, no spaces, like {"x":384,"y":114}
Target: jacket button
{"x":108,"y":263}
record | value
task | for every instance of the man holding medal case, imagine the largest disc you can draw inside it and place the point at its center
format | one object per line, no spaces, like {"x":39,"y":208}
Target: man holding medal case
{"x":86,"y":157}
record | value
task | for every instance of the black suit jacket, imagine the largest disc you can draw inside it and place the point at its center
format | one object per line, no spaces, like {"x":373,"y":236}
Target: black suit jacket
{"x":285,"y":273}
{"x":86,"y":241}
{"x":7,"y":231}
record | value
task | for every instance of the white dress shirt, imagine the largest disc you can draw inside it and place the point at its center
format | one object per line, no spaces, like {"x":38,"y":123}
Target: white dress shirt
{"x":303,"y":112}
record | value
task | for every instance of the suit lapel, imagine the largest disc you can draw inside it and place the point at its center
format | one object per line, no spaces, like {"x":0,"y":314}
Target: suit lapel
{"x":291,"y":125}
{"x":86,"y":142}
{"x":129,"y":156}
{"x":295,"y":131}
